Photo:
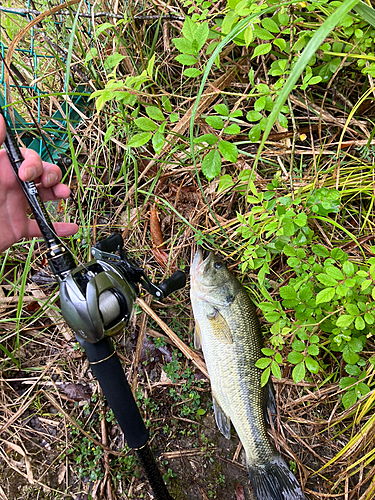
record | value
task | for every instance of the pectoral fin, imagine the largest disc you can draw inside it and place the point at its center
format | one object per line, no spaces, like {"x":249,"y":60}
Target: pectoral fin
{"x":220,"y":327}
{"x":197,"y":337}
{"x":222,"y":420}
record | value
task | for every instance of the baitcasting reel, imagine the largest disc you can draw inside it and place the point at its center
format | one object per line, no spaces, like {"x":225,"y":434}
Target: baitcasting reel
{"x":97,"y":299}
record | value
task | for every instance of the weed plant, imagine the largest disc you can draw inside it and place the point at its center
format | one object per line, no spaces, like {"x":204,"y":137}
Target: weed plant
{"x":274,"y":170}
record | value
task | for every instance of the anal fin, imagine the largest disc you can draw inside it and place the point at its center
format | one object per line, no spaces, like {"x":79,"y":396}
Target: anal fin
{"x":269,"y":402}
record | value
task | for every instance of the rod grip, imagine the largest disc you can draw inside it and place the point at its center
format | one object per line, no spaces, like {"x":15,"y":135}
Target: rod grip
{"x":107,"y":369}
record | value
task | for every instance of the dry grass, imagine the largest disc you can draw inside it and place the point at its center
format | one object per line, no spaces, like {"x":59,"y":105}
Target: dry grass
{"x":49,"y":400}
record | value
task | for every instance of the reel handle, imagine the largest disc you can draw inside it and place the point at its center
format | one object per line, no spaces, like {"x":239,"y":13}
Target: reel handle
{"x":173,"y":283}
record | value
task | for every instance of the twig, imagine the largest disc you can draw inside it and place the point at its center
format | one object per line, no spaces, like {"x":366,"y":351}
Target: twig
{"x":189,"y":353}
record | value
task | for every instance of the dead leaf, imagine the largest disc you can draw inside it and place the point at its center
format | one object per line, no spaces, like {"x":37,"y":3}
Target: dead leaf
{"x":77,"y":392}
{"x":61,"y":473}
{"x":240,"y":494}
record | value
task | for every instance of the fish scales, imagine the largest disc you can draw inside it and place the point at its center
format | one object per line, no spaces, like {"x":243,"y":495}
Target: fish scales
{"x":235,"y":380}
{"x":228,"y":330}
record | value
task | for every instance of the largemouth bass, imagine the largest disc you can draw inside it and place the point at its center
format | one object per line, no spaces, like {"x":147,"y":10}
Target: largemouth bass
{"x":228,"y":330}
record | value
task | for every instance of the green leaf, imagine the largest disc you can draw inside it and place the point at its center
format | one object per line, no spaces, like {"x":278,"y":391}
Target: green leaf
{"x":345,"y":320}
{"x":348,"y":268}
{"x":349,"y":398}
{"x":254,"y":133}
{"x":326,"y":280}
{"x":349,"y":356}
{"x":270,"y":25}
{"x":313,"y":350}
{"x":369,"y":318}
{"x":360,"y":323}
{"x":139,"y":139}
{"x":365,"y":284}
{"x":150,"y":66}
{"x":254,"y":116}
{"x":232,"y":129}
{"x":186,"y":59}
{"x":215,"y":122}
{"x":363,"y":388}
{"x":210,"y":139}
{"x":281,"y":43}
{"x":211,"y":165}
{"x":283,"y":121}
{"x":299,"y":372}
{"x":312,"y":365}
{"x":301,"y":219}
{"x":158,"y":141}
{"x":222,"y":109}
{"x":166,"y":103}
{"x":261,"y":49}
{"x":155,"y":113}
{"x":295,"y":357}
{"x":201,"y":35}
{"x":248,"y":35}
{"x":91,"y":54}
{"x":262,"y":33}
{"x":103,"y":27}
{"x":265,"y":376}
{"x":335,"y":272}
{"x":289,"y":251}
{"x":192,"y":72}
{"x":145,"y":124}
{"x":320,"y":250}
{"x":288,"y":292}
{"x":109,"y":132}
{"x":173,"y":117}
{"x":298,"y":345}
{"x":225,"y":182}
{"x":189,"y":29}
{"x":275,"y":369}
{"x":347,"y":382}
{"x":112,"y":61}
{"x":267,"y":351}
{"x":353,"y":370}
{"x":263,"y":363}
{"x":366,"y":12}
{"x":228,"y":150}
{"x":352,"y":309}
{"x":325,"y":295}
{"x":184,"y":46}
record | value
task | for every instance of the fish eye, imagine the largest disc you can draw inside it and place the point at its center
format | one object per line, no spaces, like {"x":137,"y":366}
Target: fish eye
{"x":218,"y":265}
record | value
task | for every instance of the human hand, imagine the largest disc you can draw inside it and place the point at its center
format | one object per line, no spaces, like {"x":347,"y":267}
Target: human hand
{"x":14,"y":222}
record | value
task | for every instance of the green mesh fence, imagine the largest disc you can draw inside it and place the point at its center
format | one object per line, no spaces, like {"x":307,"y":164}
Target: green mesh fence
{"x":37,"y":81}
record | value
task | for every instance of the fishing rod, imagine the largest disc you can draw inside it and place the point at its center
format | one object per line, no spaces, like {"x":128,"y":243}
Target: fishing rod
{"x":97,"y":301}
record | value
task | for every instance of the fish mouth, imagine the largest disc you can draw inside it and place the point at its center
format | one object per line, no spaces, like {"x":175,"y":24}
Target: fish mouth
{"x":201,"y":259}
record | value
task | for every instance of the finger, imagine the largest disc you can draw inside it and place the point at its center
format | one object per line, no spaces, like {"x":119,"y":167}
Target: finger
{"x":31,"y":168}
{"x":58,"y":192}
{"x":51,"y":175}
{"x":2,"y":130}
{"x":61,"y":228}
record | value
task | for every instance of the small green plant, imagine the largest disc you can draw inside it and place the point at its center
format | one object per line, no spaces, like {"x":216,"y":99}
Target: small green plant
{"x":326,"y":309}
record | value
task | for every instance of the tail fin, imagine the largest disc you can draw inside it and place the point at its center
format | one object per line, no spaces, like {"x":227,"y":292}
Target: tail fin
{"x":274,"y":481}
